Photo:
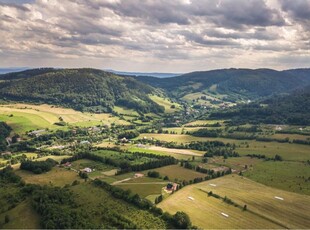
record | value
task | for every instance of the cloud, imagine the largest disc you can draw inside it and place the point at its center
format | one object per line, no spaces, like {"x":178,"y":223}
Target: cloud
{"x":152,"y":33}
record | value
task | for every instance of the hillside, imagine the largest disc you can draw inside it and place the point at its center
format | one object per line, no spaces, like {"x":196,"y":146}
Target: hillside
{"x":233,"y":84}
{"x":289,"y":109}
{"x":81,"y":89}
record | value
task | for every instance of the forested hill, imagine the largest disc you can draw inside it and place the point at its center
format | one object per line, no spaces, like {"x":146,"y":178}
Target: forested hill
{"x":290,"y":109}
{"x":81,"y":89}
{"x":235,"y":83}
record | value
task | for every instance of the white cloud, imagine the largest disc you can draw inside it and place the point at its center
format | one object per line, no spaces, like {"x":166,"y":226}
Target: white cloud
{"x":155,"y":35}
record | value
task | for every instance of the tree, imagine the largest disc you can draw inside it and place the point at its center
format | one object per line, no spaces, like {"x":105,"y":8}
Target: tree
{"x":182,"y":220}
{"x":6,"y":219}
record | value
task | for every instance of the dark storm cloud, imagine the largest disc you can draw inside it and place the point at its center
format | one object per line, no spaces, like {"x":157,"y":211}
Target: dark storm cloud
{"x":148,"y":31}
{"x":259,"y":34}
{"x":298,"y":9}
{"x":226,"y":13}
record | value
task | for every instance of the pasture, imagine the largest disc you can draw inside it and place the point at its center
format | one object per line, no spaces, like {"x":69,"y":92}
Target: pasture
{"x":287,"y":175}
{"x":98,"y":203}
{"x":166,"y":103}
{"x":23,"y":216}
{"x":177,"y":173}
{"x":263,"y":210}
{"x":26,"y":117}
{"x":57,"y":177}
{"x":288,"y":151}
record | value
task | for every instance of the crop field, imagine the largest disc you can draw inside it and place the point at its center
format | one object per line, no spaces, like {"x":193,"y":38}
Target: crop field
{"x":166,"y":103}
{"x":25,"y":117}
{"x":57,"y":177}
{"x":203,"y":122}
{"x":288,"y":151}
{"x":176,"y":172}
{"x":286,"y":175}
{"x":264,"y":210}
{"x":98,"y":202}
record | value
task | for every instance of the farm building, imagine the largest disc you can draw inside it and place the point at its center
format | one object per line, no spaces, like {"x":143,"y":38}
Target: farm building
{"x":138,"y":175}
{"x":172,"y":186}
{"x":67,"y":164}
{"x":87,"y":170}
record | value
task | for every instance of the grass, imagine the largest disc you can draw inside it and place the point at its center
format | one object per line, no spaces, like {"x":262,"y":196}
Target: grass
{"x":289,"y":176}
{"x":165,"y":103}
{"x":23,"y":216}
{"x":288,"y":151}
{"x":125,"y":111}
{"x":145,"y":150}
{"x":177,"y":172}
{"x":57,"y":177}
{"x":143,"y":190}
{"x":264,"y":211}
{"x":28,"y":117}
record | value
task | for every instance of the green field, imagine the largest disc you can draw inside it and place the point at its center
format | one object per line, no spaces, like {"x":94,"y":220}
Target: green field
{"x":286,"y":175}
{"x":264,"y":210}
{"x":165,"y":153}
{"x":23,"y":216}
{"x":165,"y":103}
{"x":97,"y":202}
{"x":57,"y":177}
{"x":26,"y":117}
{"x":176,"y":172}
{"x":288,"y":151}
{"x":143,"y":190}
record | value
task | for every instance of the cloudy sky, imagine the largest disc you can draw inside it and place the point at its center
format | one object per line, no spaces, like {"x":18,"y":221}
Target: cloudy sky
{"x":155,"y":35}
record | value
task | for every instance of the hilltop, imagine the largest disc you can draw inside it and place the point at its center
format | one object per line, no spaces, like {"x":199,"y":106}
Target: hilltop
{"x":81,"y":89}
{"x":231,"y":84}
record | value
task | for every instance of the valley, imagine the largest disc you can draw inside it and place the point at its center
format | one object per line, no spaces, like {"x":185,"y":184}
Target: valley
{"x":183,"y":164}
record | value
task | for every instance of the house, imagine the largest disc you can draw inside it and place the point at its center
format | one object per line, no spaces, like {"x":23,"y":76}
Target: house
{"x":138,"y":175}
{"x":171,"y":186}
{"x":36,"y":133}
{"x":87,"y":170}
{"x":67,"y":164}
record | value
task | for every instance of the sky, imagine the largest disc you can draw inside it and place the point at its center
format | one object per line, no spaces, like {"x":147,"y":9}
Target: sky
{"x":155,"y":35}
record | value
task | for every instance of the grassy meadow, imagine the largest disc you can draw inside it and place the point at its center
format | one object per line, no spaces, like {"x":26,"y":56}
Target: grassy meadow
{"x":263,"y":209}
{"x":26,"y":117}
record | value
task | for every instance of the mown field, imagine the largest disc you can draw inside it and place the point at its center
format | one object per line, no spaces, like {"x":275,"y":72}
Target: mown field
{"x":288,"y":151}
{"x":263,"y":209}
{"x":26,"y":117}
{"x":286,"y":175}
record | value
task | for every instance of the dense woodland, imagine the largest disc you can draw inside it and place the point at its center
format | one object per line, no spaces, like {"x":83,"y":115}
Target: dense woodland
{"x":81,"y":89}
{"x":4,"y":132}
{"x":290,"y":109}
{"x":237,"y":84}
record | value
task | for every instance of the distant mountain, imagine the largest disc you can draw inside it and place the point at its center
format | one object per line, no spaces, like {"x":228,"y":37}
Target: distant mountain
{"x":12,"y":69}
{"x":81,"y":89}
{"x":286,"y":109}
{"x":136,"y":74}
{"x":233,"y":84}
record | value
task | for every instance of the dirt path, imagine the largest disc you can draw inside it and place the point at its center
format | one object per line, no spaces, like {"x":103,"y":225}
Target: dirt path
{"x":120,"y":181}
{"x":176,"y":151}
{"x":144,"y":183}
